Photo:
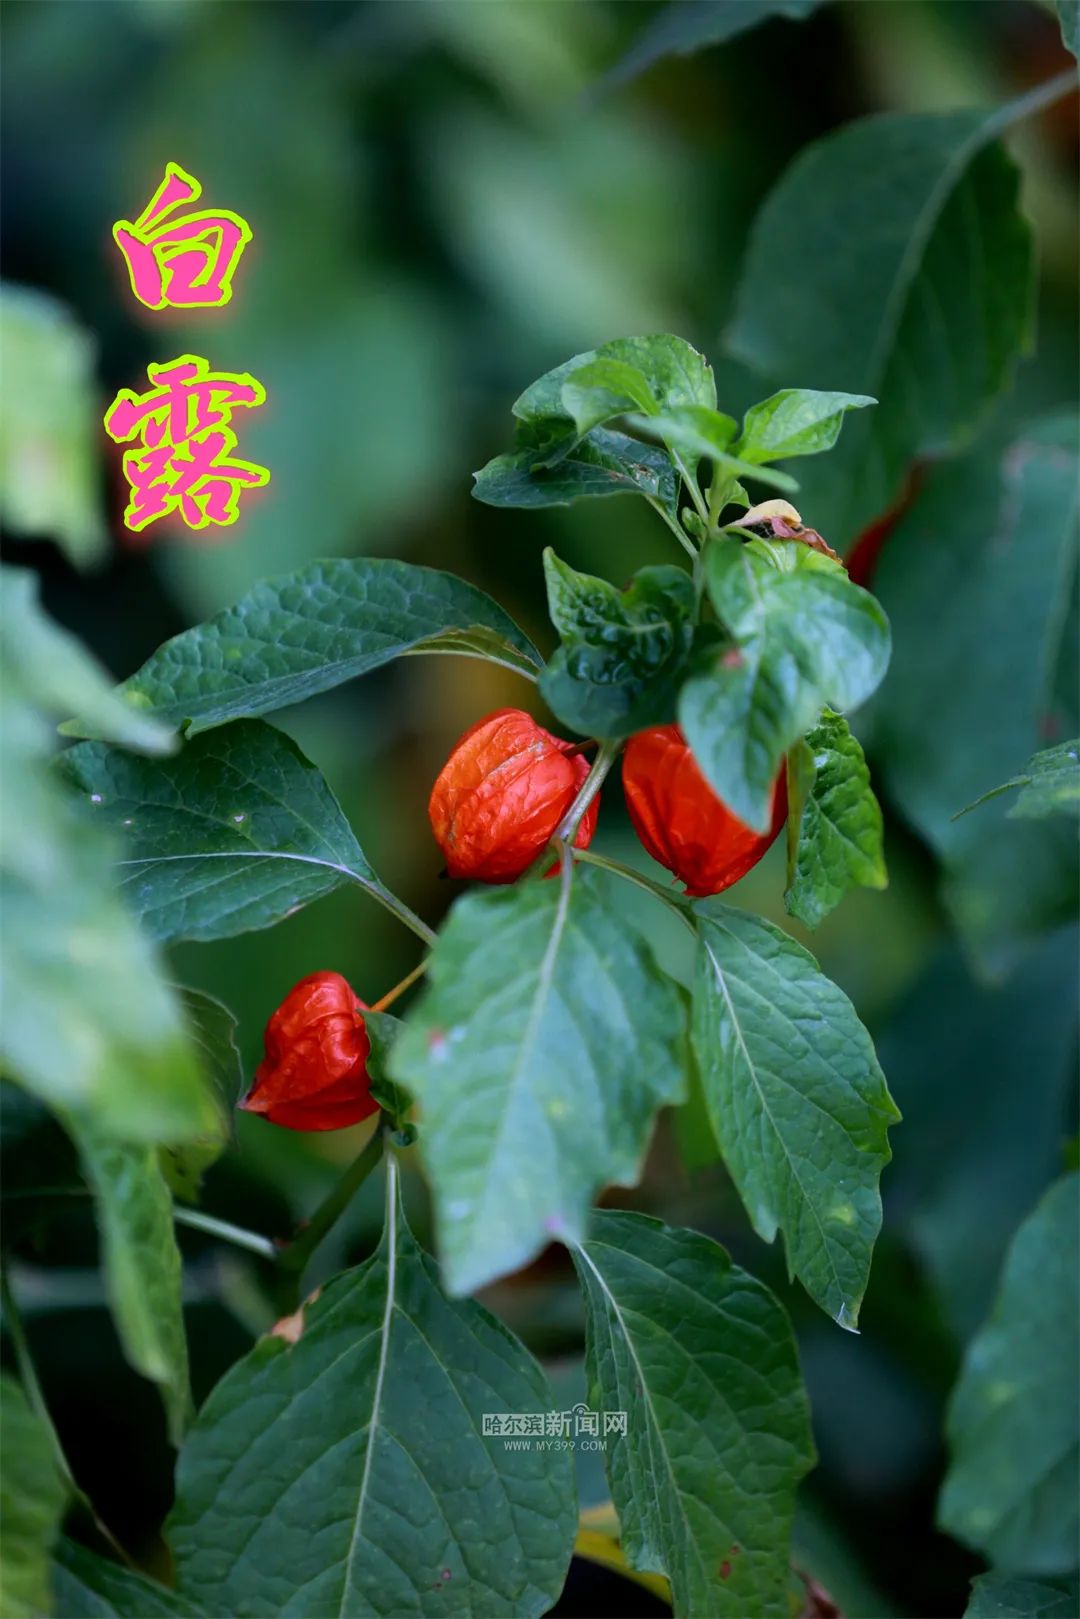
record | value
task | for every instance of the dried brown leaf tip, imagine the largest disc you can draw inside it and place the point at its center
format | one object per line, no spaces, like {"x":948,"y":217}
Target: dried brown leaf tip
{"x":819,"y":1604}
{"x":291,"y":1327}
{"x":778,"y":520}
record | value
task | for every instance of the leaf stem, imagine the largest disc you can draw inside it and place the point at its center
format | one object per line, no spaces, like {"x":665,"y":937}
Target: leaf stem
{"x":679,"y":532}
{"x":398,"y":908}
{"x":265,"y":1247}
{"x":293,"y":1260}
{"x":672,"y":901}
{"x":606,"y":755}
{"x":24,"y":1360}
{"x":692,"y":488}
{"x":399,"y":989}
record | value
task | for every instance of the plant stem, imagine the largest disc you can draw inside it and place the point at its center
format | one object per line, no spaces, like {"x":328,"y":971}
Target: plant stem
{"x":399,"y":989}
{"x":293,"y":1260}
{"x":680,"y":534}
{"x":36,"y":1400}
{"x":606,"y":756}
{"x":565,"y":832}
{"x":265,"y":1247}
{"x":398,"y":908}
{"x":719,"y":495}
{"x":691,"y":486}
{"x":1042,"y":95}
{"x":672,"y":901}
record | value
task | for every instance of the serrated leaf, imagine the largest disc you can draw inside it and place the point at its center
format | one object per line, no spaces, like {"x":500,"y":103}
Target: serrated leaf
{"x":604,"y":463}
{"x":702,"y":1359}
{"x":142,"y":1265}
{"x":961,"y":711}
{"x":684,"y":26}
{"x":925,"y":303}
{"x":32,"y":1501}
{"x":542,"y":1048}
{"x":94,"y":1588}
{"x":88,"y":1022}
{"x":622,"y":652}
{"x":1049,"y":786}
{"x":592,"y":394}
{"x":347,"y":1472}
{"x":49,"y":425}
{"x":1013,"y":1424}
{"x":672,"y":374}
{"x":694,"y":432}
{"x":1009,"y":1596}
{"x":795,"y":421}
{"x":1052,"y":786}
{"x":837,"y":834}
{"x":798,"y":1102}
{"x":804,"y":637}
{"x":233,"y":833}
{"x":302,"y":633}
{"x":212,"y":1029}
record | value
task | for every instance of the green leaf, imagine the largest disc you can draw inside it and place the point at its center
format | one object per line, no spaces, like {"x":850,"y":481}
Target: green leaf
{"x":622,"y":653}
{"x":539,"y":1054}
{"x":1009,"y":1596}
{"x":50,"y":422}
{"x":797,"y":1100}
{"x":347,"y":1472}
{"x":684,"y":26}
{"x":305,"y":632}
{"x":1069,"y":17}
{"x":604,"y":463}
{"x":93,"y":1588}
{"x":838,"y":833}
{"x":88,"y":1024}
{"x":804,"y":636}
{"x":795,"y":421}
{"x":701,"y":1358}
{"x":1013,"y":1423}
{"x":32,"y":1501}
{"x":592,"y":394}
{"x":1052,"y":784}
{"x":55,"y":672}
{"x":925,"y":302}
{"x":383,"y":1030}
{"x":233,"y":833}
{"x":1049,"y":786}
{"x":143,"y":1270}
{"x":674,"y":373}
{"x":668,"y":373}
{"x":212,"y":1029}
{"x":693,"y":431}
{"x":963,"y":709}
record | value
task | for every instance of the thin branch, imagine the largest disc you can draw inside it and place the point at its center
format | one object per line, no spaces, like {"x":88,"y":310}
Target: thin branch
{"x":265,"y":1247}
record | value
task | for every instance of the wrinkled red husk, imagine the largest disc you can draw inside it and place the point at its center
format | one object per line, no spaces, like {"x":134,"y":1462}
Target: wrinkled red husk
{"x":501,"y":795}
{"x":681,"y":821}
{"x":314,"y":1075}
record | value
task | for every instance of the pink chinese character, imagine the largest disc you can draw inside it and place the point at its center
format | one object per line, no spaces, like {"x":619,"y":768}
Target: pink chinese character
{"x":185,"y":462}
{"x":186,"y":262}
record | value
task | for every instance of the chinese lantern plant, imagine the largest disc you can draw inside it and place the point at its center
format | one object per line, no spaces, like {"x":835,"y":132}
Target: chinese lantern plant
{"x":345,"y":1465}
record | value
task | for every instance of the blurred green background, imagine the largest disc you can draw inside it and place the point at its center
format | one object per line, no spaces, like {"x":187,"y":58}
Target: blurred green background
{"x":446,"y":202}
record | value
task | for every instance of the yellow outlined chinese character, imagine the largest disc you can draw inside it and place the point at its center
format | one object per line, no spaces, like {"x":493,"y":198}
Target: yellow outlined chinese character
{"x":185,"y":463}
{"x":185,"y":262}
